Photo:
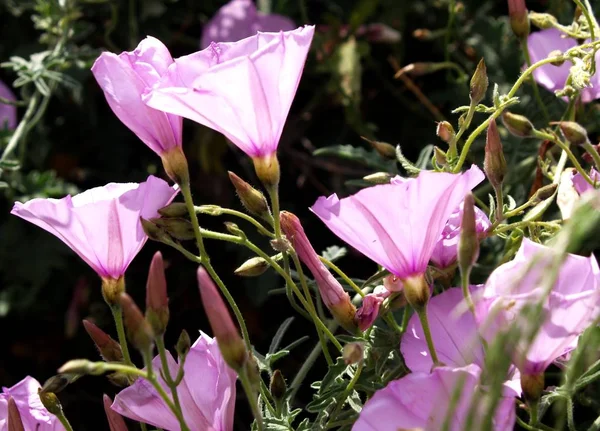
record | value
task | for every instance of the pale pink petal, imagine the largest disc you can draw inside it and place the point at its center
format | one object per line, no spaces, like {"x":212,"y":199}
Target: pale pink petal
{"x":8,"y":113}
{"x":542,"y":43}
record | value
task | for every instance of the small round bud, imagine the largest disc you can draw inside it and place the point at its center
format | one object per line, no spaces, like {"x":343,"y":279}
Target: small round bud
{"x":384,"y":149}
{"x":353,"y":353}
{"x":445,"y":131}
{"x":267,"y":170}
{"x":253,"y":267}
{"x":560,"y":60}
{"x":517,"y":125}
{"x":440,"y":157}
{"x":379,"y":178}
{"x":176,"y":209}
{"x":543,"y":193}
{"x":479,"y":83}
{"x":176,"y":165}
{"x":253,"y":200}
{"x":112,"y":289}
{"x":542,"y":20}
{"x":278,"y":387}
{"x":184,"y":344}
{"x":51,"y":402}
{"x":573,"y":132}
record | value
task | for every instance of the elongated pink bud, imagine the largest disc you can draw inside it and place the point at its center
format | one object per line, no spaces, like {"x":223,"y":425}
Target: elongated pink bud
{"x":224,"y":330}
{"x":335,"y":298}
{"x":157,"y":302}
{"x":109,"y":349}
{"x":14,"y":417}
{"x":139,"y":331}
{"x":519,"y":21}
{"x":115,"y":420}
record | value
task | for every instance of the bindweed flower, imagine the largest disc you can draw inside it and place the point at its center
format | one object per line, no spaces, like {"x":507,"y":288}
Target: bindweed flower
{"x":102,"y":225}
{"x":242,"y":89}
{"x":335,"y":298}
{"x":398,"y":225}
{"x":424,"y":401}
{"x":238,"y":20}
{"x":34,"y":415}
{"x":207,"y":392}
{"x":157,"y":302}
{"x":567,"y":309}
{"x":581,"y":185}
{"x":553,"y":78}
{"x":446,"y":249}
{"x":124,"y":78}
{"x":369,"y":310}
{"x":8,"y":113}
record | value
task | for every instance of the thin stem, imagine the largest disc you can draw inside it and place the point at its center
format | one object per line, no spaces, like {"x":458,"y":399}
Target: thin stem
{"x":346,"y":393}
{"x":6,"y":101}
{"x":264,"y":393}
{"x":343,"y":275}
{"x":21,"y":129}
{"x":464,"y":279}
{"x":533,"y":413}
{"x":252,"y":398}
{"x":452,"y":151}
{"x":274,"y":197}
{"x":389,"y":318}
{"x":499,"y":203}
{"x":118,"y":318}
{"x":405,"y":318}
{"x":422,"y":313}
{"x":536,"y":89}
{"x":63,"y":420}
{"x":201,"y":209}
{"x":162,"y":352}
{"x":566,"y":149}
{"x":143,"y":426}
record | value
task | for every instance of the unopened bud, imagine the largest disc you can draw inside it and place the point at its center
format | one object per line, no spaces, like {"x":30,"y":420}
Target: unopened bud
{"x":51,"y":402}
{"x":109,"y":349}
{"x":335,"y":298}
{"x":468,"y":242}
{"x":543,"y":193}
{"x":79,"y":367}
{"x":115,"y":420}
{"x":157,"y":302}
{"x":445,"y":131}
{"x":416,"y":291}
{"x":353,"y":353}
{"x":178,"y":228}
{"x":56,"y":383}
{"x":384,"y":149}
{"x":253,"y":267}
{"x":267,"y":170}
{"x":379,"y":178}
{"x":532,"y":385}
{"x":542,"y":20}
{"x":228,"y":337}
{"x":560,"y":59}
{"x":277,"y":386}
{"x":176,"y":165}
{"x":494,"y":163}
{"x":440,"y":157}
{"x":139,"y":332}
{"x":175,"y":209}
{"x":519,"y":21}
{"x":479,"y":83}
{"x":234,"y":229}
{"x":184,"y":344}
{"x":518,"y":125}
{"x":155,"y":232}
{"x":14,"y":417}
{"x":253,"y":200}
{"x":573,"y":132}
{"x":112,"y":289}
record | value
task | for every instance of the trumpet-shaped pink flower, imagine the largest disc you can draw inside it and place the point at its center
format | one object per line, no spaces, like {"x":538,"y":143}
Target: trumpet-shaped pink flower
{"x":124,"y":78}
{"x":369,"y":310}
{"x":446,"y":249}
{"x":207,"y":392}
{"x":567,"y":309}
{"x":8,"y":113}
{"x":552,"y":77}
{"x":102,"y":225}
{"x":238,"y":20}
{"x":34,"y":415}
{"x":423,"y":401}
{"x":243,"y":89}
{"x":398,"y":225}
{"x":581,"y":185}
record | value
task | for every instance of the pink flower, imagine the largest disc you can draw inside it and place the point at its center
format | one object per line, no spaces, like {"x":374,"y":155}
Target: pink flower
{"x":581,"y":185}
{"x":569,"y":308}
{"x":102,"y":225}
{"x":423,"y":400}
{"x":398,"y":225}
{"x":33,"y":413}
{"x":446,"y":249}
{"x":8,"y":113}
{"x":243,"y":89}
{"x":124,"y":78}
{"x":369,"y":310}
{"x":238,"y":20}
{"x":552,"y":77}
{"x":207,"y":392}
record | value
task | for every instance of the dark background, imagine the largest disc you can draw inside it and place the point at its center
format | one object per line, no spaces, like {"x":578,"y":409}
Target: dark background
{"x":45,"y":289}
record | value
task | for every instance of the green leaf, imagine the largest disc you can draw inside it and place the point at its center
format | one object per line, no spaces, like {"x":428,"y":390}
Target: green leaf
{"x":279,"y":334}
{"x":334,"y":253}
{"x":405,"y":163}
{"x":356,"y":154}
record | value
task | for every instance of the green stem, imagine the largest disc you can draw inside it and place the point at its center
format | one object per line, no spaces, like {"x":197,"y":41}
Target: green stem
{"x":389,"y":318}
{"x":22,"y":128}
{"x":452,"y":150}
{"x":252,"y":398}
{"x":536,"y":89}
{"x":143,"y":426}
{"x":405,"y":318}
{"x":118,"y":318}
{"x":464,"y":279}
{"x":567,"y":150}
{"x":499,"y":203}
{"x":205,"y":209}
{"x":63,"y":420}
{"x":274,"y":197}
{"x":162,"y":352}
{"x":346,"y":393}
{"x":6,"y":101}
{"x":422,"y":313}
{"x":264,"y":393}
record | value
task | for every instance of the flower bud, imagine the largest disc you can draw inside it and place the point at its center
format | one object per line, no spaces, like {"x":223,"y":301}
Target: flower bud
{"x":51,"y":402}
{"x":573,"y":132}
{"x":479,"y":83}
{"x":440,"y":157}
{"x":532,"y":385}
{"x":176,"y":165}
{"x":183,"y":344}
{"x":494,"y":163}
{"x":175,"y":209}
{"x":445,"y":131}
{"x":384,"y":149}
{"x":81,"y":367}
{"x":112,"y":289}
{"x":56,"y":383}
{"x":353,"y":353}
{"x":393,"y":283}
{"x":519,"y":21}
{"x":518,"y":125}
{"x":560,"y":60}
{"x":253,"y":200}
{"x":468,"y":242}
{"x":542,"y":20}
{"x":228,"y":337}
{"x":543,"y":193}
{"x":277,"y":387}
{"x":14,"y":417}
{"x":155,"y":232}
{"x":252,"y":267}
{"x":416,"y":291}
{"x":368,"y":312}
{"x":139,"y":332}
{"x":157,"y":302}
{"x":267,"y":170}
{"x":115,"y":420}
{"x":109,"y":349}
{"x":234,"y":229}
{"x":178,"y":228}
{"x":335,"y":298}
{"x":379,"y":178}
